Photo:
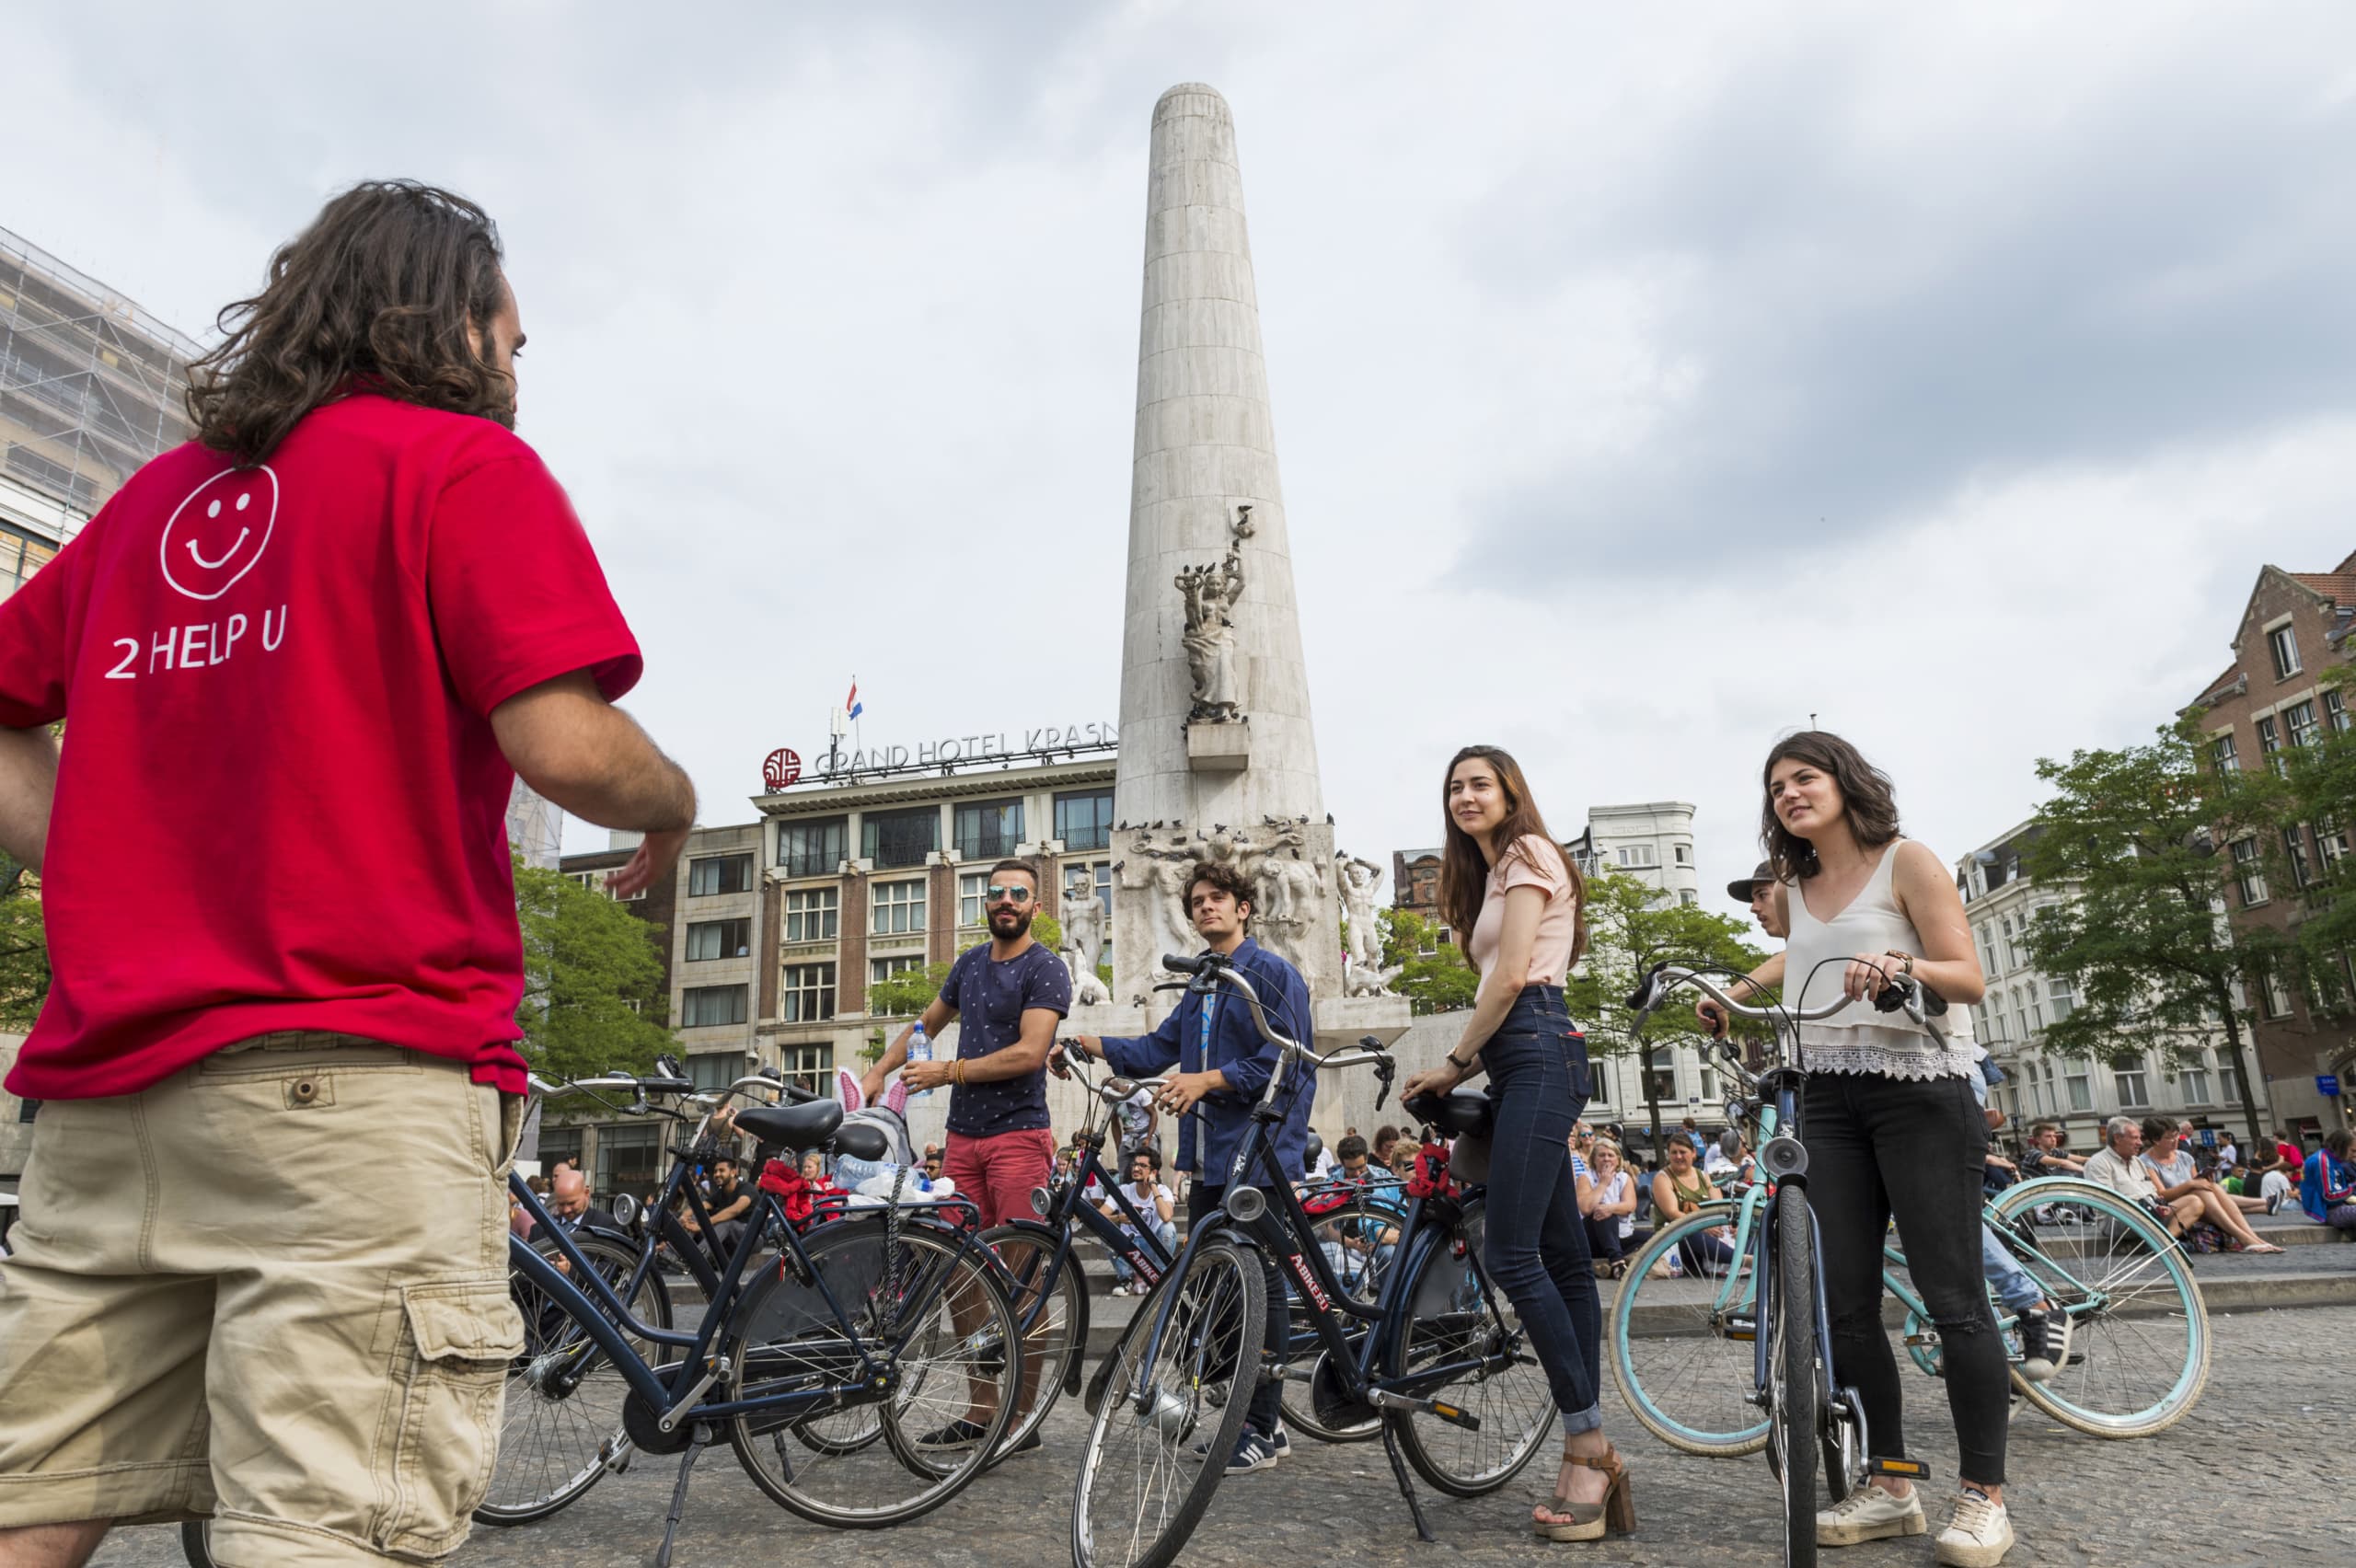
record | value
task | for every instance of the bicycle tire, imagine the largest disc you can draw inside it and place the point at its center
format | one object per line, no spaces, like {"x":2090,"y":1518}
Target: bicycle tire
{"x":1793,"y":1364}
{"x":1451,"y":1312}
{"x":2117,"y":1267}
{"x":561,"y":1420}
{"x":784,"y":1333}
{"x":196,"y":1544}
{"x":1216,"y":1324}
{"x":1360,"y":1277}
{"x":1058,"y":1333}
{"x":1682,"y":1379}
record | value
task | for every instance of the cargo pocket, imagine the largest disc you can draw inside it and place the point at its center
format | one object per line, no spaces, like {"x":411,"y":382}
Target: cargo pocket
{"x":457,"y":1338}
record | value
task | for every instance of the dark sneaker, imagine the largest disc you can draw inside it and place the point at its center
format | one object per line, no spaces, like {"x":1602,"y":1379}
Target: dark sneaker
{"x":1253,"y":1452}
{"x":956,"y":1434}
{"x":1030,"y":1445}
{"x":2037,"y":1347}
{"x":1280,"y":1444}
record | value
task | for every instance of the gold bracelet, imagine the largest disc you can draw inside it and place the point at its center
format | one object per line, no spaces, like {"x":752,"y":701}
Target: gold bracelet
{"x":957,"y":1071}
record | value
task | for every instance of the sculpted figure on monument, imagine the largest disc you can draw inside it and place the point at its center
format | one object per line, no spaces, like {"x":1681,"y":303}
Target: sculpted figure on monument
{"x":1210,"y":595}
{"x":1366,"y":980}
{"x":1163,"y":872}
{"x":1357,"y":879}
{"x":1083,"y":948}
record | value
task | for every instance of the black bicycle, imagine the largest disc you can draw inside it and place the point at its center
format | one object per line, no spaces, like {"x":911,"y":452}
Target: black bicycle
{"x":1439,"y":1358}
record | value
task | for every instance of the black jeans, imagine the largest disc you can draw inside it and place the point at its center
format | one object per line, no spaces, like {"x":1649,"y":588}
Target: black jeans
{"x":1881,"y":1146}
{"x":1535,"y":1242}
{"x":1604,"y":1237}
{"x":1267,"y":1399}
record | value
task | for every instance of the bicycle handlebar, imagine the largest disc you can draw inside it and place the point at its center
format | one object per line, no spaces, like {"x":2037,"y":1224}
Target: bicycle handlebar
{"x":1212,"y":969}
{"x":1901,"y":992}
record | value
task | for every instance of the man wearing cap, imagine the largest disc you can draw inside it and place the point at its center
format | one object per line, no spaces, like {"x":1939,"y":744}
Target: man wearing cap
{"x":1765,"y":895}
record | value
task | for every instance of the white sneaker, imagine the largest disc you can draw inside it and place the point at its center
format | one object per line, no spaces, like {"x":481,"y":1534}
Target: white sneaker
{"x":1979,"y":1534}
{"x":1870,"y":1514}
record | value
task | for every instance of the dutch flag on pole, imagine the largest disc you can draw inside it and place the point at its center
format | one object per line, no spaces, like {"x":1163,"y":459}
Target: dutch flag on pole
{"x":852,"y":707}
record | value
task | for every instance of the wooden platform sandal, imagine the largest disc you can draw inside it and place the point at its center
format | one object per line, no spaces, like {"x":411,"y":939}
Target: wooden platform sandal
{"x":1588,"y":1521}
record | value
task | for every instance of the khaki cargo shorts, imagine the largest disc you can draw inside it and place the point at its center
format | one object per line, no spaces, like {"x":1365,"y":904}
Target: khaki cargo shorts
{"x":271,"y":1288}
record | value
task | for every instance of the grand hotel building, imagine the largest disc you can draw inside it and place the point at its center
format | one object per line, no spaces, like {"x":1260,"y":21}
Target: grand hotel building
{"x":777,"y":927}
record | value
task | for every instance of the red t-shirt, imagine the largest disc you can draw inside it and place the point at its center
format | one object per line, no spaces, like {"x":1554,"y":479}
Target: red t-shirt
{"x":280,"y":803}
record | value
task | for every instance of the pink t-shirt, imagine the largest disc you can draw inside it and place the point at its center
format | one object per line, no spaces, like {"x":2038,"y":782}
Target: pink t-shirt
{"x":1530,"y":862}
{"x":281,"y":804}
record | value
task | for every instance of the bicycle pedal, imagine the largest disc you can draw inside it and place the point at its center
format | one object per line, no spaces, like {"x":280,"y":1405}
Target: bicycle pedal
{"x":1743,"y":1329}
{"x":1921,"y":1339}
{"x":1909,"y":1470}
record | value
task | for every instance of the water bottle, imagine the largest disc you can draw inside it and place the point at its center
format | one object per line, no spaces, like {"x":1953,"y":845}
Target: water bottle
{"x":919,"y":1050}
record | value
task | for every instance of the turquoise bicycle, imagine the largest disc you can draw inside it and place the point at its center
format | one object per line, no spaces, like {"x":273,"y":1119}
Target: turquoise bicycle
{"x":2128,"y":1334}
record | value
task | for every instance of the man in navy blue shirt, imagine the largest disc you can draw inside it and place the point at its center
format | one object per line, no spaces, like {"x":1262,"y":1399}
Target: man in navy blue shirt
{"x":1223,"y":1066}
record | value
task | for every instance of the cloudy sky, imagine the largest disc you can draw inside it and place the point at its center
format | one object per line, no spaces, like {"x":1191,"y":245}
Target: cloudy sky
{"x":1643,"y":387}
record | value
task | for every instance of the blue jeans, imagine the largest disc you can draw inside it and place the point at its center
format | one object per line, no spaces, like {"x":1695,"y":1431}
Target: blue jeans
{"x":1165,"y":1232}
{"x":2012,"y":1286}
{"x":1535,"y":1246}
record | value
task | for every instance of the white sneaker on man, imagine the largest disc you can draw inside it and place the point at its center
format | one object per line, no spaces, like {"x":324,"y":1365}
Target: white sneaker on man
{"x":1869,"y":1513}
{"x":1979,"y":1534}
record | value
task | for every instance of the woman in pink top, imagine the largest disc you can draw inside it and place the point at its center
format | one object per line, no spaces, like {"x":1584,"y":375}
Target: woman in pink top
{"x":1508,"y":886}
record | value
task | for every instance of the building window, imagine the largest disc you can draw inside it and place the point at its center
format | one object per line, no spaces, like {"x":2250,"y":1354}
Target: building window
{"x":27,"y":1110}
{"x":719,"y":938}
{"x":2269,"y":746}
{"x":2299,"y":723}
{"x":2020,"y":1014}
{"x":970,"y":886}
{"x":2081,"y":1087}
{"x":2294,"y":853}
{"x":811,"y":849}
{"x":2331,"y":843}
{"x":1639,"y":854}
{"x":882,"y":969}
{"x":1661,"y":1074}
{"x":629,"y":1159}
{"x":2229,"y":1080}
{"x":711,"y":875}
{"x":1709,"y":1084}
{"x":2194,"y":1082}
{"x":808,"y":994}
{"x":716,"y":1069}
{"x":557,"y":1146}
{"x":899,"y":908}
{"x":1991,"y":1021}
{"x":2036,"y":1009}
{"x":1685,"y":854}
{"x":1987,"y":950}
{"x":2006,"y":950}
{"x":808,"y":1065}
{"x":2249,"y":872}
{"x":2284,"y":644}
{"x":701,"y":1006}
{"x":988,"y":830}
{"x":2060,"y":997}
{"x":899,"y":839}
{"x":810,"y":915}
{"x":1084,"y":819}
{"x":2130,"y":1083}
{"x":2334,"y":712}
{"x":1687,"y":895}
{"x":2222,"y":753}
{"x":2278,"y":996}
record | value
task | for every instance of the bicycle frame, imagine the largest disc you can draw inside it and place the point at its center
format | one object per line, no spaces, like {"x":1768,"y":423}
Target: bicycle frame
{"x":604,"y":1317}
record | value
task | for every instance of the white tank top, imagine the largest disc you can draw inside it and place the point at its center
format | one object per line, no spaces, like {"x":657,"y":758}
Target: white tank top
{"x":1857,"y":1039}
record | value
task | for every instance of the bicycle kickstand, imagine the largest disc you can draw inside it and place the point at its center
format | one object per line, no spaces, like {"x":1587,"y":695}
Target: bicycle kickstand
{"x":702,"y":1436}
{"x":1406,"y":1484}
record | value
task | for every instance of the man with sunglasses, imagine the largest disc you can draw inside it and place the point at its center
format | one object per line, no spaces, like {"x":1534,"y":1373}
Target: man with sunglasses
{"x":1008,"y":995}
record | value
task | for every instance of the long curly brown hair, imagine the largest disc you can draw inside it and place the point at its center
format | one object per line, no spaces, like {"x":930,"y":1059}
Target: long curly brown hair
{"x":1867,"y":795}
{"x":381,"y":288}
{"x":1464,"y":870}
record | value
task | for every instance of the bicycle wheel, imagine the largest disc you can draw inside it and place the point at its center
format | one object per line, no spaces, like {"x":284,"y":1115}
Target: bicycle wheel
{"x":1458,"y":1339}
{"x":1053,"y":1322}
{"x":562,"y":1420}
{"x":1683,"y":1374}
{"x":1148,"y":1473}
{"x":1352,"y":1237}
{"x":2136,"y":1348}
{"x":1794,"y":1375}
{"x":196,"y":1543}
{"x":926,"y":1310}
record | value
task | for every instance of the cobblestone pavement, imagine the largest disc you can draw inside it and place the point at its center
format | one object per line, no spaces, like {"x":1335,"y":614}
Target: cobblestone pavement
{"x":2253,"y":1475}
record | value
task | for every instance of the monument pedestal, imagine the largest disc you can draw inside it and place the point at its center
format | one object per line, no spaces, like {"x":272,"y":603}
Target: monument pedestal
{"x":1342,"y":1022}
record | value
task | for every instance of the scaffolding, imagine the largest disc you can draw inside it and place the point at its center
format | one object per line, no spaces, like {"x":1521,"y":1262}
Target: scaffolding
{"x":90,"y":388}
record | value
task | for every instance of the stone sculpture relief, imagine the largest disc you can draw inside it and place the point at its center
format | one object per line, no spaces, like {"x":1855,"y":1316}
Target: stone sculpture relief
{"x":1083,"y":949}
{"x":1357,"y":880}
{"x":1210,"y":595}
{"x":1288,"y":888}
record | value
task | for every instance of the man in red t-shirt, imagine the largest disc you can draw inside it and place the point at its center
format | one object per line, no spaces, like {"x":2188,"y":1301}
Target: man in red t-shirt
{"x":300,"y":660}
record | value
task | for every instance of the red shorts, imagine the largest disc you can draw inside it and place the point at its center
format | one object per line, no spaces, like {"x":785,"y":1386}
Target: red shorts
{"x":999,"y":1172}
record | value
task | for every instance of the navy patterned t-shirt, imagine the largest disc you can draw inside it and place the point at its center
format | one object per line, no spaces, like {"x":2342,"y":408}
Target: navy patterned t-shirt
{"x":991,"y":998}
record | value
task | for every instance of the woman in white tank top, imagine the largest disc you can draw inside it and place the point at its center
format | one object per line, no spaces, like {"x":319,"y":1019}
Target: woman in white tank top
{"x":1891,"y":1126}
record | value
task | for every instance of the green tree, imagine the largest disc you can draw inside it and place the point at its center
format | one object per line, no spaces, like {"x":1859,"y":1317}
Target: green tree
{"x":1630,"y":925}
{"x":2138,"y":842}
{"x":1433,"y":974}
{"x":592,"y":979}
{"x":24,"y":949}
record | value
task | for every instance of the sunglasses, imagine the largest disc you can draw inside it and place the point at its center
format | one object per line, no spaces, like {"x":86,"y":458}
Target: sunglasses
{"x":997,"y":894}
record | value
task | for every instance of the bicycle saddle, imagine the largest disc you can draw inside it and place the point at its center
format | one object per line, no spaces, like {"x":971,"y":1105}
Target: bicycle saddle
{"x":796,"y":1127}
{"x":1456,"y":1114}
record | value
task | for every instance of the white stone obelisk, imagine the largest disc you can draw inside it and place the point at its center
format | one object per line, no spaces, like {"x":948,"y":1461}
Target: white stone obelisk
{"x":1235,"y":777}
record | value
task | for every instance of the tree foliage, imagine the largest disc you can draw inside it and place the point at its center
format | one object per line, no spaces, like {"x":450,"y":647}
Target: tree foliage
{"x":2140,"y":840}
{"x":24,"y":949}
{"x":592,"y":979}
{"x":1434,"y":980}
{"x":1631,"y":925}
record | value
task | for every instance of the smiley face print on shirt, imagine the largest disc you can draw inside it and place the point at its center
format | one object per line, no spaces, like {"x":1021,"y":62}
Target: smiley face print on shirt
{"x":218,"y":533}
